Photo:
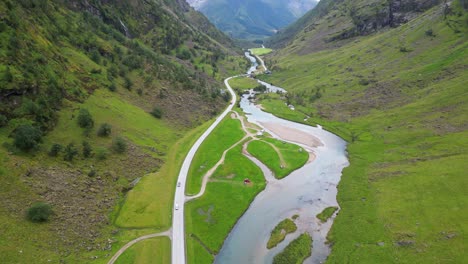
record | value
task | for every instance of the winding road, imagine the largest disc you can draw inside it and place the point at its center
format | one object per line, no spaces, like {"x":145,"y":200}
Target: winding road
{"x":178,"y":233}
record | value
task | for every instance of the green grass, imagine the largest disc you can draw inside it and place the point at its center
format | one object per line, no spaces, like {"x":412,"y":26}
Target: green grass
{"x":268,"y":151}
{"x":149,"y":204}
{"x":260,"y":51}
{"x":280,"y":231}
{"x":211,"y":217}
{"x":153,"y":250}
{"x":223,"y":136}
{"x":243,"y":83}
{"x":406,"y":149}
{"x":296,"y":252}
{"x":327,"y":213}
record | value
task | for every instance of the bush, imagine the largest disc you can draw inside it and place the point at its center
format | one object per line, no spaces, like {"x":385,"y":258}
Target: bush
{"x":39,"y":212}
{"x":101,"y":154}
{"x":3,"y":121}
{"x":156,"y":112}
{"x":70,"y":152}
{"x":27,"y":137}
{"x":55,"y":150}
{"x":104,"y":130}
{"x":87,"y":150}
{"x":85,"y":120}
{"x":119,"y":145}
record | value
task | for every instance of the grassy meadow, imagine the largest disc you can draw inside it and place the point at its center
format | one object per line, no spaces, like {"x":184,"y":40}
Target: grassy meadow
{"x":154,"y":250}
{"x":296,"y":252}
{"x":210,"y":218}
{"x":280,"y":157}
{"x":404,"y":116}
{"x":260,"y":51}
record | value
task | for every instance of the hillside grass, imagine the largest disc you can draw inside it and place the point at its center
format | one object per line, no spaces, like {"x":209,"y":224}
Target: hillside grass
{"x":223,"y":136}
{"x":149,"y":204}
{"x":296,"y":252}
{"x":406,"y":129}
{"x":280,"y":231}
{"x":154,"y":250}
{"x":210,"y":218}
{"x":280,"y":157}
{"x":260,"y":51}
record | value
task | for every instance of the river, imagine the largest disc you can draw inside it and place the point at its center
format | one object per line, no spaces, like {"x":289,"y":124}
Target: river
{"x":305,"y":192}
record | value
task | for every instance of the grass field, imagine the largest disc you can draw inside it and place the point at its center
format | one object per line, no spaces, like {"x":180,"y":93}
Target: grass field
{"x":281,"y":158}
{"x":407,"y":137}
{"x":280,"y":231}
{"x":243,"y":83}
{"x":154,"y":250}
{"x":210,"y":218}
{"x":260,"y":51}
{"x":296,"y":252}
{"x":223,"y":136}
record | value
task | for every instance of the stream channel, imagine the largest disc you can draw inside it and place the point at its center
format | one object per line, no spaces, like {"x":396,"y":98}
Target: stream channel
{"x":305,"y":192}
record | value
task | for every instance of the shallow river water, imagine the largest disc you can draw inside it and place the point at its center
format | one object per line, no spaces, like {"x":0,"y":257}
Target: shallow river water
{"x":306,"y":192}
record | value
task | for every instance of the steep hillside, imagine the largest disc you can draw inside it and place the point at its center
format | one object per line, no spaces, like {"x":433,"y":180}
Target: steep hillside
{"x":252,"y":19}
{"x":95,"y":95}
{"x":335,"y":20}
{"x":398,"y":95}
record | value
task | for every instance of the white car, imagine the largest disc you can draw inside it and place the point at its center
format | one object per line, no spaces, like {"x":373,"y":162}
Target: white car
{"x":177,"y":206}
{"x":178,"y":184}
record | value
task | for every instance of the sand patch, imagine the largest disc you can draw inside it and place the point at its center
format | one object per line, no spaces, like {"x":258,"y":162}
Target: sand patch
{"x":293,"y":135}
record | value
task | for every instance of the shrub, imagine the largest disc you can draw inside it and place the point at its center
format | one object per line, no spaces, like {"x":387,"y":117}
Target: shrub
{"x":101,"y":153}
{"x":112,"y":87}
{"x":119,"y":145}
{"x":156,"y":112}
{"x":104,"y":130}
{"x":3,"y":120}
{"x":85,"y":120}
{"x":39,"y":212}
{"x":87,"y":150}
{"x":27,"y":137}
{"x":70,"y":152}
{"x":55,"y":150}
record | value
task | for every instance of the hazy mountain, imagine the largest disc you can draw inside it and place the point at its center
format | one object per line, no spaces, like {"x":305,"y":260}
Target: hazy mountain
{"x":252,"y":19}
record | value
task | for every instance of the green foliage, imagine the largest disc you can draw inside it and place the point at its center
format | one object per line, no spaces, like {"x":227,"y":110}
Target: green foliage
{"x":101,"y":153}
{"x":157,"y":112}
{"x":119,"y":145}
{"x":70,"y":152}
{"x":104,"y":130}
{"x":280,"y":231}
{"x":87,"y":149}
{"x":3,"y":120}
{"x":39,"y":212}
{"x":327,"y":213}
{"x":55,"y":150}
{"x":27,"y":137}
{"x":85,"y":120}
{"x":296,"y":252}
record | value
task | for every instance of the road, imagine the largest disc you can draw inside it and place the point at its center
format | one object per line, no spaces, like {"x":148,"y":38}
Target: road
{"x":178,"y":226}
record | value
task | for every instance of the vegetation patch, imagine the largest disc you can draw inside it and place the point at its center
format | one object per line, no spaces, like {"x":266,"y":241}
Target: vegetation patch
{"x":154,"y":250}
{"x":296,"y":252}
{"x":226,"y":199}
{"x":327,"y":213}
{"x":280,"y":231}
{"x":260,"y":51}
{"x":223,"y":136}
{"x":280,"y":157}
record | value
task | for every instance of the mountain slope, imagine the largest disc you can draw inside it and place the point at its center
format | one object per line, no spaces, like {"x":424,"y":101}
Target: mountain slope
{"x":146,"y":72}
{"x":397,"y":94}
{"x":248,"y":19}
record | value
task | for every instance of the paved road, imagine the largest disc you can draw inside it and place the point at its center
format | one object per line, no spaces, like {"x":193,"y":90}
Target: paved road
{"x":178,"y":233}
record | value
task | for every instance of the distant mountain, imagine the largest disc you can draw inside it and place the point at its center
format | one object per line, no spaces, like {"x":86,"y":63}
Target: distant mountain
{"x":252,"y":19}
